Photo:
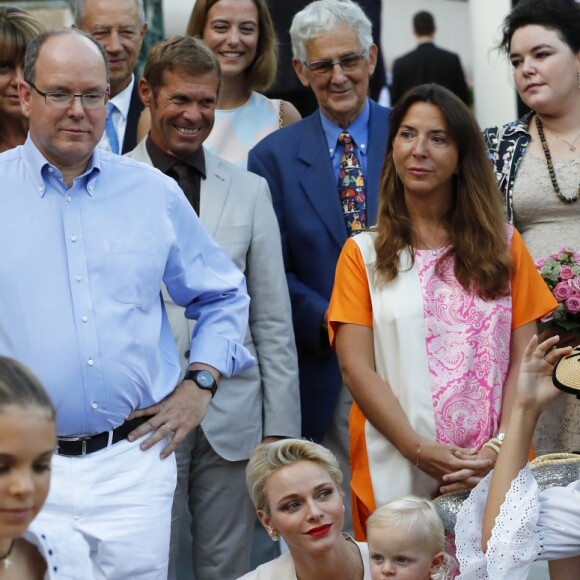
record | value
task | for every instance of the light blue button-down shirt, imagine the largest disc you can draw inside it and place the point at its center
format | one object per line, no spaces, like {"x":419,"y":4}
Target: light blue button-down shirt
{"x":359,"y":131}
{"x":80,"y":277}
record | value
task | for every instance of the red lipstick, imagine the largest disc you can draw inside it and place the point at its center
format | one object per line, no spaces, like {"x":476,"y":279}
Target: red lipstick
{"x":320,"y":531}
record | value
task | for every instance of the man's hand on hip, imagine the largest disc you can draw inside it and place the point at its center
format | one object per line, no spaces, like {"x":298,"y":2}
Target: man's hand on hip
{"x":175,"y":416}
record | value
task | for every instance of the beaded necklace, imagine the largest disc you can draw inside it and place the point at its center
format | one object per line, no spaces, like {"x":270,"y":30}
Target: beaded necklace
{"x":551,"y":165}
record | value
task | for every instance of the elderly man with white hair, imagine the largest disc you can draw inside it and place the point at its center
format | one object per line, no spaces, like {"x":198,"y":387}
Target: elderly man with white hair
{"x":323,"y":173}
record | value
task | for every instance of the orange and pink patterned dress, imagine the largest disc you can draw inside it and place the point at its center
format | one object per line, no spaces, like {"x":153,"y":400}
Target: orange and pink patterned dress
{"x":444,"y":352}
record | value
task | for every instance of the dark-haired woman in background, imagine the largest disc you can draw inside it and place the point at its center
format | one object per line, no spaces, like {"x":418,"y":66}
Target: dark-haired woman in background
{"x":17,"y":29}
{"x":537,"y":159}
{"x":431,"y":310}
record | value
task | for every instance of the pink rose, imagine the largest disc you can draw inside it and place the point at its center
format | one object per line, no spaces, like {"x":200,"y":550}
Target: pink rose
{"x":576,"y":283}
{"x":562,"y":291}
{"x":566,"y":273}
{"x":573,"y":305}
{"x":541,"y":262}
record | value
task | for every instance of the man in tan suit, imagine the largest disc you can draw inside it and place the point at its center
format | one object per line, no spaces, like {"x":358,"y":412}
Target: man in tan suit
{"x":180,"y":86}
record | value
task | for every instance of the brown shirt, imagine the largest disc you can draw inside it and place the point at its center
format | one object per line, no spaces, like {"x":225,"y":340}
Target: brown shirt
{"x":187,"y":172}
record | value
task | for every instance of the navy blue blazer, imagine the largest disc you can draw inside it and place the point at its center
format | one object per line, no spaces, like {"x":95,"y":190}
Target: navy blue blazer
{"x":135,"y":108}
{"x":296,"y":164}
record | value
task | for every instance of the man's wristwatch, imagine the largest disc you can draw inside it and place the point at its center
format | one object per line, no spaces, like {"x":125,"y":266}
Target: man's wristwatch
{"x":203,"y":379}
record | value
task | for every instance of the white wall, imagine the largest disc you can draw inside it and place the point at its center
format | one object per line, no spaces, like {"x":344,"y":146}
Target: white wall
{"x":176,"y":16}
{"x":495,"y":98}
{"x":451,"y":20}
{"x":470,"y":29}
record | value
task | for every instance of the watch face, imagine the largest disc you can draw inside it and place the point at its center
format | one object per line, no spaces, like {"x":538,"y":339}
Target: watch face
{"x":204,"y":379}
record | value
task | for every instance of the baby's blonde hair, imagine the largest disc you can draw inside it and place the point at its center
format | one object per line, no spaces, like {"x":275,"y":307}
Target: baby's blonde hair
{"x":418,"y":516}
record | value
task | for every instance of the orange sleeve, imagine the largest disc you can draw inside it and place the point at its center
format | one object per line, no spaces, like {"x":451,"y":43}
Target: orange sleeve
{"x":350,"y":301}
{"x":531,"y":297}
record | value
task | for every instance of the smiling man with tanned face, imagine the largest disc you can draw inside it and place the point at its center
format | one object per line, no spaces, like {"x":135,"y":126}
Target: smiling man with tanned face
{"x":180,"y":86}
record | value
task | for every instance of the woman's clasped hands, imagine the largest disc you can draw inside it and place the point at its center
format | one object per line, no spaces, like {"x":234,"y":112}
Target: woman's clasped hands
{"x":456,"y":468}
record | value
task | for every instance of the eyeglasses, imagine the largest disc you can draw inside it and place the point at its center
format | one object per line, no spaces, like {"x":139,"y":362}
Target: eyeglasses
{"x":347,"y":63}
{"x":65,"y":100}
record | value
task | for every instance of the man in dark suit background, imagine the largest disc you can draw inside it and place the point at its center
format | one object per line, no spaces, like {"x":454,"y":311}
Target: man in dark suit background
{"x":119,"y":25}
{"x":334,"y":55}
{"x":287,"y":86}
{"x":428,"y":64}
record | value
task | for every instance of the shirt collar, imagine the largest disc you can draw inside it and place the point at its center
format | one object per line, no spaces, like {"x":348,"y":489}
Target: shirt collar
{"x":39,"y":167}
{"x":164,"y":162}
{"x":358,"y":129}
{"x":122,"y":101}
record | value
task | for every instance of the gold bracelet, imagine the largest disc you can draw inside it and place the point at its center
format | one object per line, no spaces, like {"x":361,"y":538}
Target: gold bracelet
{"x":493,"y":444}
{"x":420,"y":446}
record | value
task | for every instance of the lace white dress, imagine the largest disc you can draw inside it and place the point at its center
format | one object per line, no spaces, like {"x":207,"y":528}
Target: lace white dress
{"x":532,"y":525}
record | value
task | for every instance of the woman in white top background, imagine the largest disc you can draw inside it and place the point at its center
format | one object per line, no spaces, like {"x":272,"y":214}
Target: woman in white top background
{"x":241,"y":34}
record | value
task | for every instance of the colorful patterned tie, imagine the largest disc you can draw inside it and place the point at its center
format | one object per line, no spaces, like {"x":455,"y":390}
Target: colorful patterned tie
{"x":351,"y":187}
{"x":110,"y":129}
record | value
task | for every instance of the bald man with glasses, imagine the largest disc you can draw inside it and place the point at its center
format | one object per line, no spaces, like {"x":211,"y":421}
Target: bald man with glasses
{"x":88,"y":238}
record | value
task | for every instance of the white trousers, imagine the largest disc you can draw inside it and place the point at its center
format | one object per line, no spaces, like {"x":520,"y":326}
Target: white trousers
{"x":120,"y":500}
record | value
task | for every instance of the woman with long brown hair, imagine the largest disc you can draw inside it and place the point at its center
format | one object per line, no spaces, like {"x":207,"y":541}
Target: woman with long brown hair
{"x":431,"y":311}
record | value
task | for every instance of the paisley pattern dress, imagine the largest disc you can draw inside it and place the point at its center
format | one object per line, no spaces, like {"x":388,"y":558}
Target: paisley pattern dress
{"x":444,"y":352}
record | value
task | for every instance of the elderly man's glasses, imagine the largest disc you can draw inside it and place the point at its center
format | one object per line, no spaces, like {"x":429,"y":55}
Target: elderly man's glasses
{"x":59,"y":100}
{"x":347,"y":63}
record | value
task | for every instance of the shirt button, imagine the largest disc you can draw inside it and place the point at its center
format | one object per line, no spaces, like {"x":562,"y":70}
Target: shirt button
{"x":90,"y":188}
{"x":41,"y":189}
{"x":94,"y":405}
{"x":90,"y":362}
{"x":84,"y":318}
{"x":69,"y":198}
{"x":50,"y":170}
{"x":73,"y":238}
{"x":78,"y":278}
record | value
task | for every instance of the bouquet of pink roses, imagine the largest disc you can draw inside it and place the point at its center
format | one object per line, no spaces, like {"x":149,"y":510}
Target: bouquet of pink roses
{"x":561,"y":272}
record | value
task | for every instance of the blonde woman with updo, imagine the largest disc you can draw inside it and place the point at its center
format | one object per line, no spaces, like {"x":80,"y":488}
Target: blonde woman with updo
{"x":295,"y":487}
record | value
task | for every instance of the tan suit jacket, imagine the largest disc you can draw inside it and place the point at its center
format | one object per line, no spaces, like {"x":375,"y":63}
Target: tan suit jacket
{"x":236,"y":209}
